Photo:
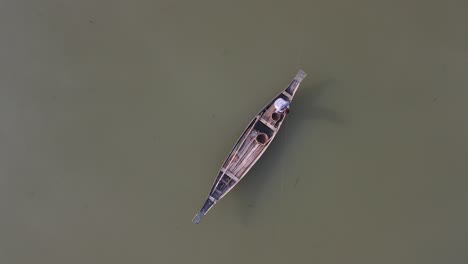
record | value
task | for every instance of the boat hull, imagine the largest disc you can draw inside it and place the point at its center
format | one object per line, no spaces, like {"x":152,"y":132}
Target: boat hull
{"x":250,"y":146}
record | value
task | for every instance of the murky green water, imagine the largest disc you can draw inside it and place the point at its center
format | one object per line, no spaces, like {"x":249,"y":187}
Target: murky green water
{"x":116,"y":115}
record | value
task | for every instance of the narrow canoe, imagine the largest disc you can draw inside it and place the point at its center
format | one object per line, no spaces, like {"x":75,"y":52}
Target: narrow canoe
{"x":251,"y":145}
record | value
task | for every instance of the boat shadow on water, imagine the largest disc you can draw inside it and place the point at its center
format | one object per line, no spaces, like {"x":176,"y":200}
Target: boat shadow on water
{"x":252,"y":187}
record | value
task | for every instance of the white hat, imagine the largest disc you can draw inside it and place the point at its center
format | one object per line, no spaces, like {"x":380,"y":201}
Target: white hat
{"x":281,"y":104}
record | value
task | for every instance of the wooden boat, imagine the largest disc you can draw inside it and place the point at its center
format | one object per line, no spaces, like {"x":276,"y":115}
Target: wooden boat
{"x":251,"y":145}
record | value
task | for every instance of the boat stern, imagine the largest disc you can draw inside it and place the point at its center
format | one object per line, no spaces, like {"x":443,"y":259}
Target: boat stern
{"x":292,"y":88}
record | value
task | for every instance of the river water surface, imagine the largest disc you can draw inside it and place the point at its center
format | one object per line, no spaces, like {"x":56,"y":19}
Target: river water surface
{"x":115,"y":117}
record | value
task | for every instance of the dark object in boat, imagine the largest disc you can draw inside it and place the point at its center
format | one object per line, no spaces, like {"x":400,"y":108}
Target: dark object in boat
{"x":251,"y":145}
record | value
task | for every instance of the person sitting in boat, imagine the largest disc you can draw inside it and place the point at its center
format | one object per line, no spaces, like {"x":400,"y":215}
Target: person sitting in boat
{"x":281,"y":106}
